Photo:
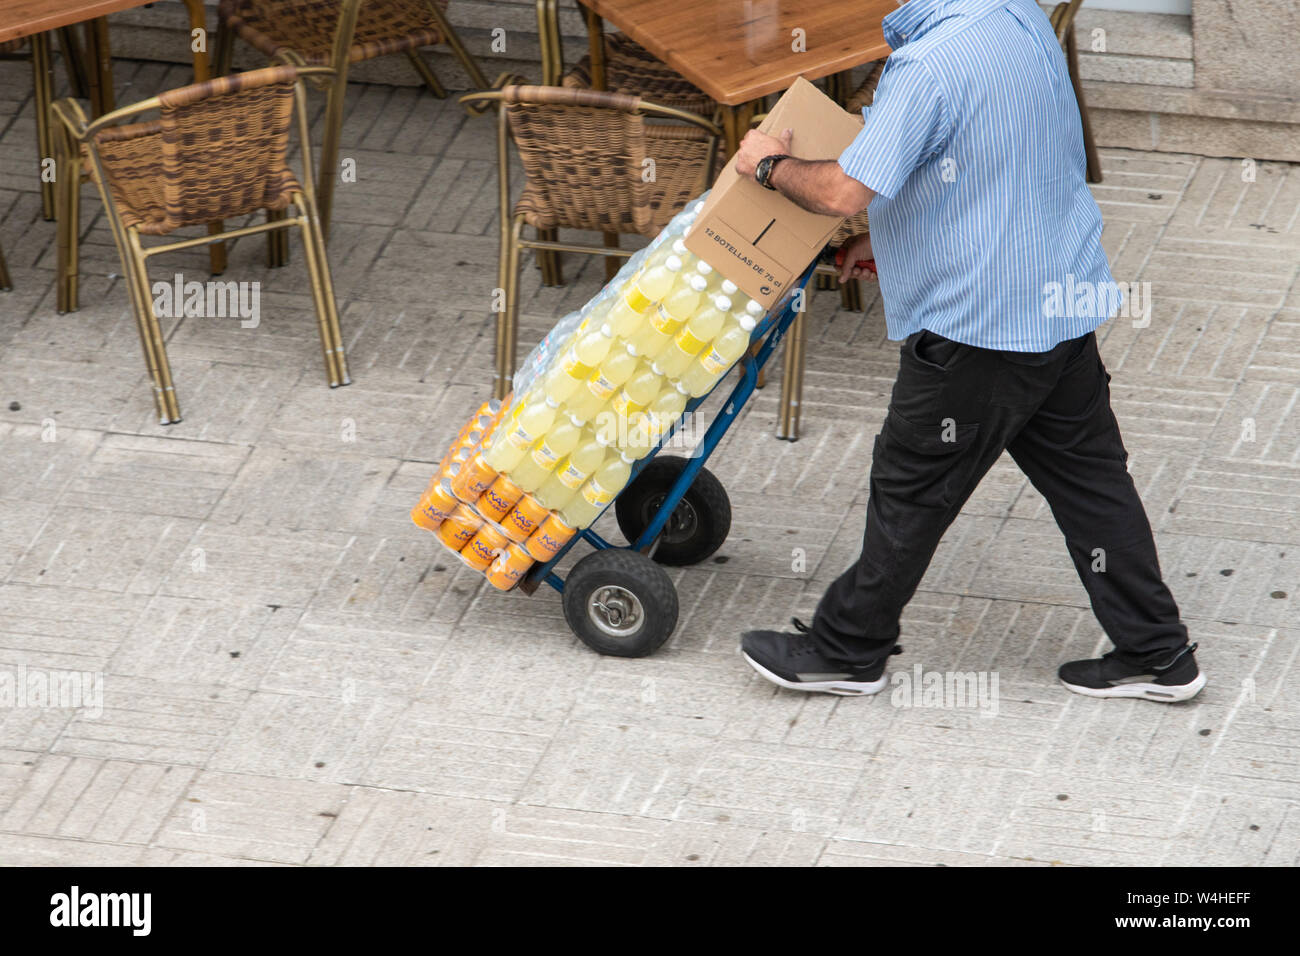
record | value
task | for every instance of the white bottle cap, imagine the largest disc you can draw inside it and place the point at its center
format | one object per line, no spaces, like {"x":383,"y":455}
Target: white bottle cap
{"x":578,"y":422}
{"x":606,"y":331}
{"x":703,"y":268}
{"x":729,"y":287}
{"x":624,"y":456}
{"x":754,"y":308}
{"x":631,"y":349}
{"x":681,"y":388}
{"x":603,"y":440}
{"x":722,"y":303}
{"x":747,"y":322}
{"x":679,"y":247}
{"x":699,"y":283}
{"x":654,"y":367}
{"x":552,"y":402}
{"x":673,"y":264}
{"x":687,"y":230}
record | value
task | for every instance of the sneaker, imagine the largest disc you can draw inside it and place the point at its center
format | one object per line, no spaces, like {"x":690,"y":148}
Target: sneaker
{"x":793,"y":661}
{"x":1109,"y":676}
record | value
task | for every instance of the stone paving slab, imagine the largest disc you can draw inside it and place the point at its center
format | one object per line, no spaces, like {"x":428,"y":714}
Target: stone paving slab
{"x":293,"y":674}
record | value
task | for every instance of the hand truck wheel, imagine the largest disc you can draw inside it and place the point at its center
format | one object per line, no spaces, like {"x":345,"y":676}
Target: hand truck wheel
{"x":620,"y":603}
{"x":698,"y":525}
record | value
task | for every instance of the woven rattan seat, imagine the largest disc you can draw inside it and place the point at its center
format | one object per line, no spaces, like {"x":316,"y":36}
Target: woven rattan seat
{"x":202,"y":163}
{"x":307,"y":27}
{"x":632,"y":69}
{"x":218,"y":150}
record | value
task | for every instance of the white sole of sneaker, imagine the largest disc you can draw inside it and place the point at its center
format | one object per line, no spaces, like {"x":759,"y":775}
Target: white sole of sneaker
{"x":1157,"y":692}
{"x":842,"y":688}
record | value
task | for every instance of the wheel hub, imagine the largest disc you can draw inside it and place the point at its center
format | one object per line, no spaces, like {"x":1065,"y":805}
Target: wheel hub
{"x":682,"y":523}
{"x":616,"y":611}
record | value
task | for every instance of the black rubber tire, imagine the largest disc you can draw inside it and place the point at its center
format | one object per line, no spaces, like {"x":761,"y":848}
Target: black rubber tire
{"x":698,"y":527}
{"x":611,"y":571}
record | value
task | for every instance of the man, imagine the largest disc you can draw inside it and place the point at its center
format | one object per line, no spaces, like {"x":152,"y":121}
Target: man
{"x":972,"y":163}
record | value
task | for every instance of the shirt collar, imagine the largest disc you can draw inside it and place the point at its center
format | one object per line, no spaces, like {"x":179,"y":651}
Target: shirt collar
{"x":917,"y":17}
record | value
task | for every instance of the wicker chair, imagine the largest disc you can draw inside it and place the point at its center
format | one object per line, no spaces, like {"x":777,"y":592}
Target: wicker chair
{"x":337,"y":33}
{"x":632,"y":69}
{"x":584,"y":153}
{"x":217,"y":151}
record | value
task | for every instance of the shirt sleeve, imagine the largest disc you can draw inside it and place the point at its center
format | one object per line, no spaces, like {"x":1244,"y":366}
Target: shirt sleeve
{"x":906,"y":124}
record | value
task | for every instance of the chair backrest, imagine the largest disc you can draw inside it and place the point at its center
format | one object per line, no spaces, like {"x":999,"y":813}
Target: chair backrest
{"x":1062,"y":19}
{"x":224,"y":145}
{"x":584,"y":151}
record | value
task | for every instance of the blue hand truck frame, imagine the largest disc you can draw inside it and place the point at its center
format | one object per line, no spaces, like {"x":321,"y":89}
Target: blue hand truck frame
{"x":770,"y":333}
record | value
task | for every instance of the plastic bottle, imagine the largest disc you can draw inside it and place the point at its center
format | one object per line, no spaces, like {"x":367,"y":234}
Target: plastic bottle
{"x":715,"y":361}
{"x":572,"y":473}
{"x":637,"y":392}
{"x":602,"y":384}
{"x":542,"y":458}
{"x":577,"y":364}
{"x":702,"y":329}
{"x":650,"y":285}
{"x":513,"y":440}
{"x":585,"y":507}
{"x":679,"y":305}
{"x":663,"y":413}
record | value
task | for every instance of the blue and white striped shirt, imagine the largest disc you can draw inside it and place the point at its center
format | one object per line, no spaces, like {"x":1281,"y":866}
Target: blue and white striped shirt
{"x":974,"y":147}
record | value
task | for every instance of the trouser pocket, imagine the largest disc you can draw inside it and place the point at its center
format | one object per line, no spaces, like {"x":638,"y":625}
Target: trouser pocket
{"x":925,"y":464}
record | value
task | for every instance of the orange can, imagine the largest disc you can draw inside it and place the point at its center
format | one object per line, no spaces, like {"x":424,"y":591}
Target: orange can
{"x":549,"y":538}
{"x":524,"y":519}
{"x":496,"y":502}
{"x":508,"y":567}
{"x":458,"y":527}
{"x":435,"y":505}
{"x":484,"y":546}
{"x":474,"y":478}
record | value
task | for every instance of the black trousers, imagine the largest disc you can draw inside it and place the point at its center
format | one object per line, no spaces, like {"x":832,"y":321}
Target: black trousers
{"x":953,"y":411}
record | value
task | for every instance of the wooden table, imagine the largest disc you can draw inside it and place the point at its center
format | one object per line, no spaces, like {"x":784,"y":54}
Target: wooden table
{"x":39,"y":19}
{"x":736,"y":51}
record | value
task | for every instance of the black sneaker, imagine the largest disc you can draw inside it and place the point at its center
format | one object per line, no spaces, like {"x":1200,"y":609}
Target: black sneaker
{"x":1109,"y":676}
{"x":793,"y":661}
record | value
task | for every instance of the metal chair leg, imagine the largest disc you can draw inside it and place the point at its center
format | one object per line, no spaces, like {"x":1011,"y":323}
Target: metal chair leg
{"x":507,"y":320}
{"x":217,"y":251}
{"x":277,"y":255}
{"x":452,"y":39}
{"x":612,"y":263}
{"x":1089,"y":145}
{"x":5,"y":282}
{"x":199,"y":21}
{"x":224,"y":53}
{"x":325,"y":280}
{"x":74,"y":62}
{"x":792,"y":381}
{"x":43,"y":95}
{"x":169,"y":412}
{"x":426,"y":73}
{"x":549,"y":260}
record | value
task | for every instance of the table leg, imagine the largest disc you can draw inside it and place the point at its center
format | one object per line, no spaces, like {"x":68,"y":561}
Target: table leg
{"x":74,"y":62}
{"x":596,"y":47}
{"x":100,"y":75}
{"x":42,"y":96}
{"x":199,"y":21}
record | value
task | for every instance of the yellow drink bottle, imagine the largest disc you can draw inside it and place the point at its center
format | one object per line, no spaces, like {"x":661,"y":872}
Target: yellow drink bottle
{"x":649,"y":286}
{"x":575,"y":366}
{"x":512,"y":441}
{"x":602,"y":385}
{"x":585,"y":507}
{"x":702,"y":329}
{"x":664,"y":412}
{"x":715,"y":361}
{"x":637,"y":392}
{"x":572,"y":473}
{"x":537,"y":465}
{"x":678,"y":306}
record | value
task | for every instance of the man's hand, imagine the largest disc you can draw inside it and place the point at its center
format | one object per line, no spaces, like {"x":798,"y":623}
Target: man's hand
{"x":756,"y":145}
{"x":858,"y":247}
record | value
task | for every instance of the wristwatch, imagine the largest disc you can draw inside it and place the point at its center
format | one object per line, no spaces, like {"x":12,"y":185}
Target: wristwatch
{"x":763,"y":173}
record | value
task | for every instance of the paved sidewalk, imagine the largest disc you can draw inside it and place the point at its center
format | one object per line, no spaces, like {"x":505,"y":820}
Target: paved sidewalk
{"x":293,"y":673}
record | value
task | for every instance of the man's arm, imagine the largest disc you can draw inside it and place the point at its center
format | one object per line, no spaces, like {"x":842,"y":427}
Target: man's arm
{"x":818,"y":185}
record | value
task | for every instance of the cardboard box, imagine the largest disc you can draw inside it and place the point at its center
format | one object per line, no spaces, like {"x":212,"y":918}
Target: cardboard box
{"x":756,"y":237}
